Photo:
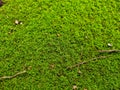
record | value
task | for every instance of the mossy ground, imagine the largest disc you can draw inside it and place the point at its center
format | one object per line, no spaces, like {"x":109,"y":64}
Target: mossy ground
{"x":54,"y":35}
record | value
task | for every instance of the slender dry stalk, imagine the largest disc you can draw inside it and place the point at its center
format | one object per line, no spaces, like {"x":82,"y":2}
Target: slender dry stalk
{"x":10,"y":77}
{"x":108,"y":51}
{"x":84,"y":62}
{"x":93,"y":59}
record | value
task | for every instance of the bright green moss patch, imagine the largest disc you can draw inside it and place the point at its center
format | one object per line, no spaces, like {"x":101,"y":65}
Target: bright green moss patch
{"x":56,"y":34}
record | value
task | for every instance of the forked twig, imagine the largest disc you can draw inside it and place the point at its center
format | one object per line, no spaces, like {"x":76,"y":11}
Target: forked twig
{"x":84,"y":62}
{"x":10,"y":77}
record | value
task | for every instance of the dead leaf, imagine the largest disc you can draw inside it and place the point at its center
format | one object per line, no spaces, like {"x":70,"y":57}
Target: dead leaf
{"x":75,"y":87}
{"x":79,"y":72}
{"x":52,"y":66}
{"x":58,"y":35}
{"x":110,"y":45}
{"x":18,"y":22}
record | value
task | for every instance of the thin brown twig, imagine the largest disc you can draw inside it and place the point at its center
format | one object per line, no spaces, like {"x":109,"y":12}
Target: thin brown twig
{"x":108,"y":51}
{"x":93,"y":59}
{"x":10,"y":77}
{"x":84,"y":62}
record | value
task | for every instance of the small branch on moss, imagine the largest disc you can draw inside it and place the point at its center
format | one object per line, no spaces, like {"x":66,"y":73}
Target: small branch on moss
{"x":84,"y":62}
{"x":108,"y":51}
{"x":10,"y":77}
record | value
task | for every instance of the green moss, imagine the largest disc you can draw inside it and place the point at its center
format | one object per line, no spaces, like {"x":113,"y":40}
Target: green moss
{"x":55,"y":35}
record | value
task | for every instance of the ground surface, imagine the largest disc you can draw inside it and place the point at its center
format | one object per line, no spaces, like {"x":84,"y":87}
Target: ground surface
{"x":51,"y":35}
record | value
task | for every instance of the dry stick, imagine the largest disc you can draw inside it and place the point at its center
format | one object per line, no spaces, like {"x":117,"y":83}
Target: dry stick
{"x":108,"y":51}
{"x":10,"y":77}
{"x":101,"y":57}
